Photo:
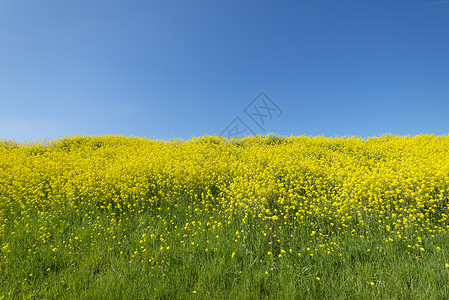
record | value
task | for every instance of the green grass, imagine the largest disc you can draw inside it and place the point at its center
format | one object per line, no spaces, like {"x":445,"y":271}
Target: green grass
{"x":92,"y":253}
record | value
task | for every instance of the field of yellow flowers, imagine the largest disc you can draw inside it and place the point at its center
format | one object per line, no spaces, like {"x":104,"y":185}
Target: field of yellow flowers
{"x":114,"y":217}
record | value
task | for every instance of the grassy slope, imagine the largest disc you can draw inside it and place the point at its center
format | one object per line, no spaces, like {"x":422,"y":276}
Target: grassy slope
{"x":188,"y":249}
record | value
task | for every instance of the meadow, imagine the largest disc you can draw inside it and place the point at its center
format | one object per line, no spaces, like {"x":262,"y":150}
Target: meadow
{"x":266,"y":217}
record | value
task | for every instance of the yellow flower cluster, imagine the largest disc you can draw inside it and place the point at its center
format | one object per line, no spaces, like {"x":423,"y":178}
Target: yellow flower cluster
{"x":400,"y":184}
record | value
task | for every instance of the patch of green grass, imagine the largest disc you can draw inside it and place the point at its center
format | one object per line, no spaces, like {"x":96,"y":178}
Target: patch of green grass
{"x":193,"y":250}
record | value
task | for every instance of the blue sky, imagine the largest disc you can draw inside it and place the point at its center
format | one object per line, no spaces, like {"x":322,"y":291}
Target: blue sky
{"x":164,"y":69}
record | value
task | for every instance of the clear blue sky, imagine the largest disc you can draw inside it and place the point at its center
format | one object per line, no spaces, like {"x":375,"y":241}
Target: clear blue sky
{"x":163,"y":69}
